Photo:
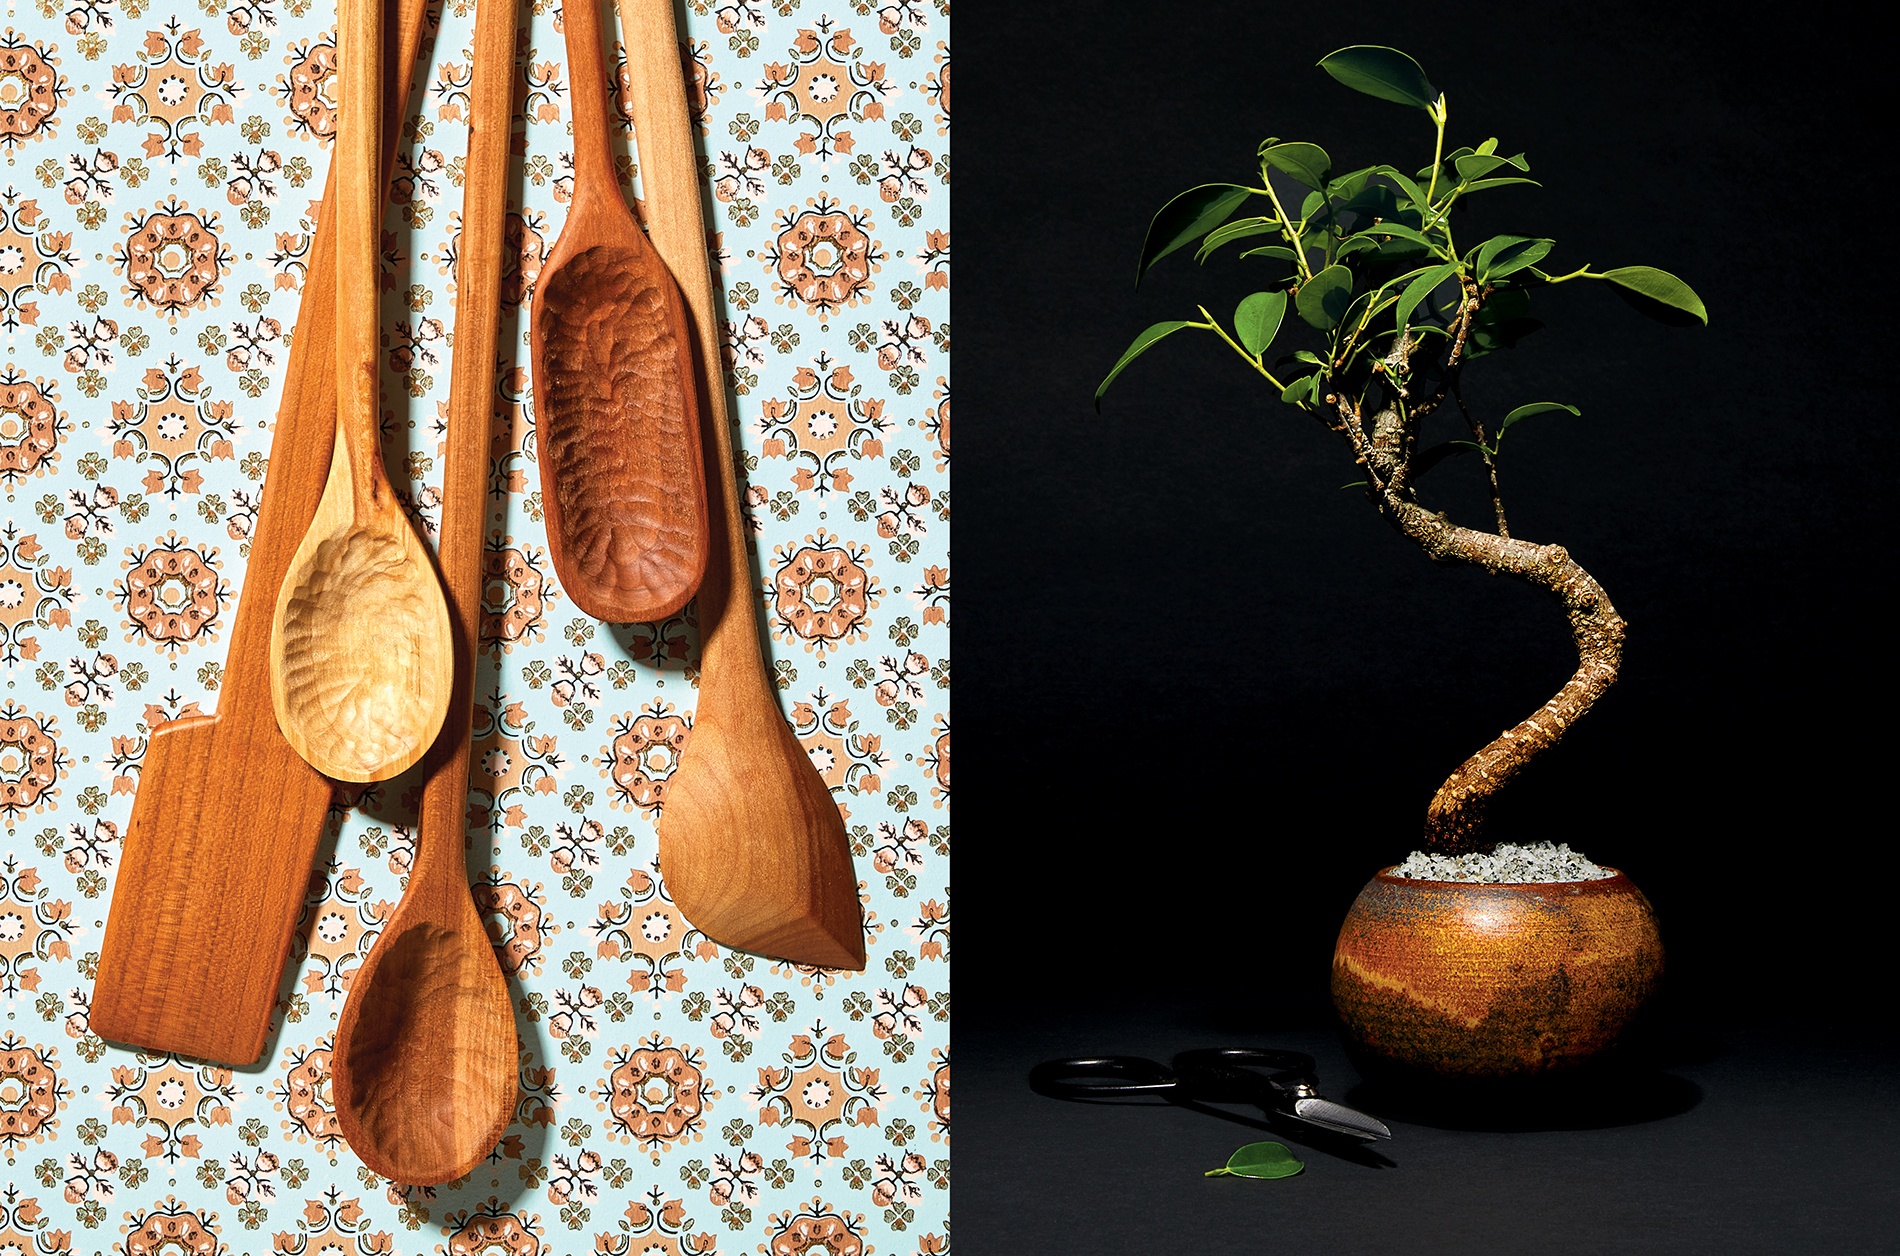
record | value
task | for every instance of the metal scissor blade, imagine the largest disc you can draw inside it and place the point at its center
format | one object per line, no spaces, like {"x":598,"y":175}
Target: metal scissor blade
{"x":1337,"y":1116}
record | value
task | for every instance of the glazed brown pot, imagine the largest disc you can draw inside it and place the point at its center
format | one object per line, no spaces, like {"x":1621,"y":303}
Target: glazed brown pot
{"x":1463,"y":983}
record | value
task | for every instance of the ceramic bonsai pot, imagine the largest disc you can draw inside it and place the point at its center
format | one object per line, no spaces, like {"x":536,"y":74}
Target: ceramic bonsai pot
{"x":1462,"y":984}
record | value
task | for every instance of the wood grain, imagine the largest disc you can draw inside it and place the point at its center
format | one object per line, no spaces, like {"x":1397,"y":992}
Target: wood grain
{"x":362,"y":658}
{"x":752,"y":846}
{"x":426,"y":1060}
{"x":227,"y":816}
{"x":616,"y":415}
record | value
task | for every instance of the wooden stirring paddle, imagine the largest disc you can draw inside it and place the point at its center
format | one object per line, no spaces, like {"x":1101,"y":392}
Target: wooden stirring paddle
{"x":426,"y":1059}
{"x":361,"y":654}
{"x":616,"y":421}
{"x":228,"y":816}
{"x":752,"y":846}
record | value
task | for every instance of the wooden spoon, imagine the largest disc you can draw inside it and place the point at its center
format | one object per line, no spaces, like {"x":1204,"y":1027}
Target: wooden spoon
{"x":752,"y":846}
{"x":616,"y":418}
{"x":427,"y":1064}
{"x":361,"y":654}
{"x":227,"y":816}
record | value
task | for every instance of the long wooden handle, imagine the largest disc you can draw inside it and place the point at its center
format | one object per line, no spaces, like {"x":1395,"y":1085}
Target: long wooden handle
{"x":732,"y":655}
{"x":359,"y":147}
{"x":587,"y":87}
{"x":471,"y":412}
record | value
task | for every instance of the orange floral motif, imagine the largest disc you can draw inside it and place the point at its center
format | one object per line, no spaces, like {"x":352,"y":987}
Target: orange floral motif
{"x":171,"y":594}
{"x":514,"y":596}
{"x":822,"y":424}
{"x":511,"y":764}
{"x":34,"y":259}
{"x":31,"y":425}
{"x":818,"y":1095}
{"x":516,"y":923}
{"x":823,"y":86}
{"x":33,"y":926}
{"x":815,"y":1230}
{"x":940,"y":1098}
{"x":173,"y":424}
{"x":31,"y":1093}
{"x":308,"y":88}
{"x":660,"y":1224}
{"x":171,"y":85}
{"x":655,"y":1094}
{"x":172,"y":1229}
{"x":303,"y":1096}
{"x":172,"y":258}
{"x":493,"y":1231}
{"x":33,"y":594}
{"x":30,"y":762}
{"x":333,"y":1226}
{"x":646,"y":928}
{"x":168,"y":1098}
{"x":31,"y":89}
{"x":643,"y":755}
{"x":823,"y":256}
{"x":822,"y":592}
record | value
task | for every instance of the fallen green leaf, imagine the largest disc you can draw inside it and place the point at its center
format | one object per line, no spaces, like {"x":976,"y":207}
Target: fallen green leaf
{"x":1259,"y":1160}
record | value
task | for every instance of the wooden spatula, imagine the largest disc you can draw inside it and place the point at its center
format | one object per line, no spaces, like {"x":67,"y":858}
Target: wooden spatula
{"x":227,"y":816}
{"x":752,"y":846}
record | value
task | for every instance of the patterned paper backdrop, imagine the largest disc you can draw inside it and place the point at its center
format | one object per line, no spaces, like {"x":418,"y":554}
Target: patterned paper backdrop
{"x":161,"y":170}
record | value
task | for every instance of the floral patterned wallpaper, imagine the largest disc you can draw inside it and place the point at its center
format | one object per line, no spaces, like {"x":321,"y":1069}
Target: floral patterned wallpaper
{"x":161,"y":172}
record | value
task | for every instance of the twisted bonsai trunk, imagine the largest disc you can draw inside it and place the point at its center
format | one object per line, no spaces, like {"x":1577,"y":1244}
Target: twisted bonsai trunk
{"x":1454,"y":823}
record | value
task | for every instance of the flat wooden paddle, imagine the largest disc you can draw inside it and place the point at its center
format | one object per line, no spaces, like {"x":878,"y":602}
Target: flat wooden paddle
{"x":427,"y":1067}
{"x":227,"y":816}
{"x":752,"y":846}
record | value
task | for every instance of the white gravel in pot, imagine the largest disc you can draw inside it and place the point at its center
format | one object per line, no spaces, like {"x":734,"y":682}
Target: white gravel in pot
{"x":1508,"y":864}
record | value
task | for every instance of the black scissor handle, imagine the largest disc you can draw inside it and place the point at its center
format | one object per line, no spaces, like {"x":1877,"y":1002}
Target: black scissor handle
{"x":1101,"y":1077}
{"x":1225,"y":1074}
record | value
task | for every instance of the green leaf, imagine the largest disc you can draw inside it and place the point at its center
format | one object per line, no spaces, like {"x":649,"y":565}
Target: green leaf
{"x":1139,"y":347}
{"x":1188,"y":216}
{"x":1258,"y":319}
{"x":1503,"y":255}
{"x":1235,"y":231}
{"x":1477,"y":165}
{"x":1413,"y":191}
{"x":1301,"y":390}
{"x":1383,"y":72}
{"x":1658,"y":294}
{"x":1483,"y":184}
{"x":1401,"y":232}
{"x":1307,"y":163}
{"x":1420,"y":288}
{"x":1259,"y":1160}
{"x":1323,"y":299}
{"x":1525,"y":412}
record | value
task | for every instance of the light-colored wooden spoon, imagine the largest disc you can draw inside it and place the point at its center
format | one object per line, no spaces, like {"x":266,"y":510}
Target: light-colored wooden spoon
{"x":616,"y":420}
{"x":427,"y":1064}
{"x":227,"y":816}
{"x":360,"y":648}
{"x":752,"y":846}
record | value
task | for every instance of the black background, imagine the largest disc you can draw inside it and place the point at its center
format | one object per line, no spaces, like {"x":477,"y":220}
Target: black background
{"x":1203,"y":693}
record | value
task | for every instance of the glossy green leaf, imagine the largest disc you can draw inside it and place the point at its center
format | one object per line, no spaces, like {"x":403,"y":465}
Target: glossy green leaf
{"x":1477,"y":165}
{"x":1383,"y":72}
{"x":1187,"y":217}
{"x":1486,"y":184}
{"x":1307,"y":163}
{"x":1525,"y":412}
{"x":1258,"y":319}
{"x":1259,"y":1160}
{"x":1139,"y":347}
{"x":1301,"y":391}
{"x":1401,"y":232}
{"x":1413,"y":191}
{"x":1271,"y":250}
{"x":1323,"y":299}
{"x":1229,"y":232}
{"x":1503,"y":255}
{"x":1658,"y":294}
{"x":1420,"y":288}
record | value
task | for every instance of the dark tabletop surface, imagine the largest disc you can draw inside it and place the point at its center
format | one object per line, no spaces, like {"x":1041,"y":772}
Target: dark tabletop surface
{"x":1736,"y":1139}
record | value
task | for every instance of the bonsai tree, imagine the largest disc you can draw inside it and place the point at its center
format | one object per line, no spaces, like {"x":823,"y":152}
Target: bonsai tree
{"x":1394,"y":310}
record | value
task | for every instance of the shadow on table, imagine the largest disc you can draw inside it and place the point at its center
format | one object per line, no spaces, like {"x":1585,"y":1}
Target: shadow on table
{"x":1633,"y":1095}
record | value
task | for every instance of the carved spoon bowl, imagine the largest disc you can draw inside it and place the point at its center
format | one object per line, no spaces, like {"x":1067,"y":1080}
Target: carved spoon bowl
{"x":616,"y":417}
